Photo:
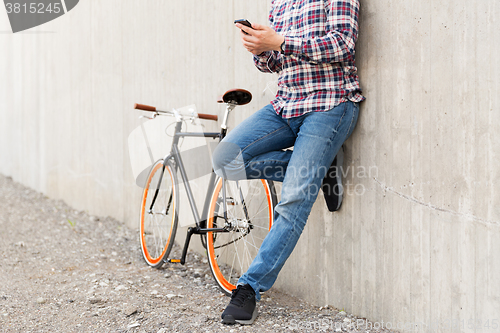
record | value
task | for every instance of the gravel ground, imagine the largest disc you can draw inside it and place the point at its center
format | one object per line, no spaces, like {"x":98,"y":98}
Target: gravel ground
{"x":63,"y":270}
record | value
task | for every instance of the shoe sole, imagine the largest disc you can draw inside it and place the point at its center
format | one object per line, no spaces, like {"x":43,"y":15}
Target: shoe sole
{"x":231,"y":321}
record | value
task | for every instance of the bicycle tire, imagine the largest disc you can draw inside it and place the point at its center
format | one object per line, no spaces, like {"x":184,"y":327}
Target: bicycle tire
{"x":158,"y":226}
{"x":250,"y":208}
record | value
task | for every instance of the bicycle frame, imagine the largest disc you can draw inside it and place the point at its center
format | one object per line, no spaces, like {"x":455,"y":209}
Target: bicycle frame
{"x":174,"y":154}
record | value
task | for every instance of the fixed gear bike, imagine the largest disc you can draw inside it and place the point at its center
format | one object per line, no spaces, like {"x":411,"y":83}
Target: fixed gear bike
{"x":236,"y":215}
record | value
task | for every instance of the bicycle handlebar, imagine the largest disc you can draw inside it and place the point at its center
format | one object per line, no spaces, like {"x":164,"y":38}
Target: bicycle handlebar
{"x":144,"y":107}
{"x":208,"y":116}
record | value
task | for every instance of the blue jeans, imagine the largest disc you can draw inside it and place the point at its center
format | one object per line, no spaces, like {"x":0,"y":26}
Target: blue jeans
{"x":257,"y":149}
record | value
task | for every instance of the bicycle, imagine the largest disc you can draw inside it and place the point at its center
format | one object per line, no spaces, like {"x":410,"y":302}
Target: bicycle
{"x":236,"y":215}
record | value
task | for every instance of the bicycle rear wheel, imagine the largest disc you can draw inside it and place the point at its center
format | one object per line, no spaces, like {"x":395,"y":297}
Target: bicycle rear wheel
{"x":158,"y":223}
{"x":250,"y":210}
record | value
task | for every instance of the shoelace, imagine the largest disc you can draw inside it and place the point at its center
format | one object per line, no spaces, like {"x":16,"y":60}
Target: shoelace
{"x":240,"y":294}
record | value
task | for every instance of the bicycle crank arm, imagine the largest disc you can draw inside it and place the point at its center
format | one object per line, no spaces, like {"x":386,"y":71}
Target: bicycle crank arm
{"x":206,"y":230}
{"x":190,"y":232}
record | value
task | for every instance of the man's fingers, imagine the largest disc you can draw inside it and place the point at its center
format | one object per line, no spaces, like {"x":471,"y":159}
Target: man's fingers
{"x":257,"y":26}
{"x":250,"y":38}
{"x":244,"y":28}
{"x":248,"y":44}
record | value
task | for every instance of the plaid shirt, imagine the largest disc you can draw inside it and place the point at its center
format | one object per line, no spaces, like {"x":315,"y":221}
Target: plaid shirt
{"x":316,"y":69}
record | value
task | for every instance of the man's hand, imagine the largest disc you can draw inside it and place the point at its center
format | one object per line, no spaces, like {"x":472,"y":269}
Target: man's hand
{"x":260,"y":38}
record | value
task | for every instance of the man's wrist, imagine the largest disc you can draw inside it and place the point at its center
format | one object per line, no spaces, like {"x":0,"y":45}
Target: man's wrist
{"x":281,"y":44}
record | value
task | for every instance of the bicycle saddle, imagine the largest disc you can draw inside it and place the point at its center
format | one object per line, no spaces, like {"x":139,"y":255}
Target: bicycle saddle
{"x":236,"y":96}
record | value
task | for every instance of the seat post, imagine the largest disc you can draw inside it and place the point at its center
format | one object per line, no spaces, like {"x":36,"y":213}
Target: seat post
{"x":229,"y":107}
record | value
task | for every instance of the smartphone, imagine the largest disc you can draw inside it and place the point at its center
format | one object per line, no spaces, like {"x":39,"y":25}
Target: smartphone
{"x":244,"y":22}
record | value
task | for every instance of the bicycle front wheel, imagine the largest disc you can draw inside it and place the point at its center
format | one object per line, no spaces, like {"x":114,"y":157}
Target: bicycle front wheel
{"x":158,"y":223}
{"x":250,"y":209}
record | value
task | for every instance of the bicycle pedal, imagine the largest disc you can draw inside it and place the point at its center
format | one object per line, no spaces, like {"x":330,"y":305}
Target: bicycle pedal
{"x":174,"y":261}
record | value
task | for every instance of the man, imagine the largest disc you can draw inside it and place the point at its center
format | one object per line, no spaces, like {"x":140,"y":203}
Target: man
{"x":311,"y":45}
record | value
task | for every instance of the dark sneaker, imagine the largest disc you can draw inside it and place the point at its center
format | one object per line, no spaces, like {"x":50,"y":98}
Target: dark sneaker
{"x":332,"y":183}
{"x":242,"y":307}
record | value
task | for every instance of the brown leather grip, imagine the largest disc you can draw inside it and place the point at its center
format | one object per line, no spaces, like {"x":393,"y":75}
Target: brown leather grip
{"x":144,"y":107}
{"x":208,"y":116}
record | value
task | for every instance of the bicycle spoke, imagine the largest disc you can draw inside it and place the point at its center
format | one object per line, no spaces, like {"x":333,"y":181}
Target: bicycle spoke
{"x":157,"y":237}
{"x":246,"y":251}
{"x":238,"y":256}
{"x":232,"y":267}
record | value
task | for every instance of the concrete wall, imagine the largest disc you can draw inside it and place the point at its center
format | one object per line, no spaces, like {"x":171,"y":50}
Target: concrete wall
{"x":420,"y":241}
